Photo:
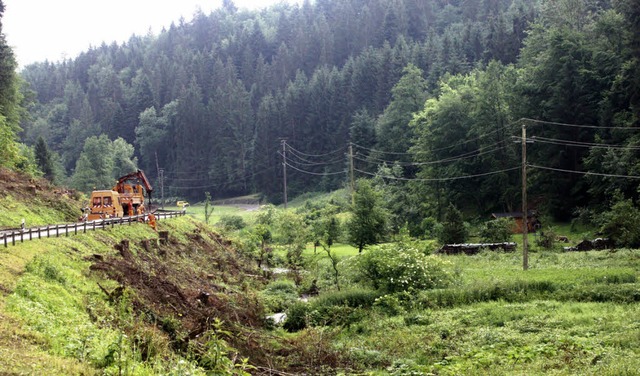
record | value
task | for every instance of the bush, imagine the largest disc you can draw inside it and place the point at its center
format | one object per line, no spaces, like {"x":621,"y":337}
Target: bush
{"x":340,"y":308}
{"x":547,"y":239}
{"x":401,"y":267}
{"x":296,"y":317}
{"x":620,"y":224}
{"x":350,"y":298}
{"x":232,"y":222}
{"x":496,"y":231}
{"x":279,"y":295}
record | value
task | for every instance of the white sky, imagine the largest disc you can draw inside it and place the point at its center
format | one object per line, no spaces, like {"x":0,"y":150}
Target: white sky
{"x":39,"y":30}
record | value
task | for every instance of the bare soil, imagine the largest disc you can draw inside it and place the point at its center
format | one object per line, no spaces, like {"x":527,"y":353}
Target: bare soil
{"x":182,"y":288}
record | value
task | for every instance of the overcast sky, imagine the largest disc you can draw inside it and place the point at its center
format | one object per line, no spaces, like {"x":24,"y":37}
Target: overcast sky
{"x":38,"y":30}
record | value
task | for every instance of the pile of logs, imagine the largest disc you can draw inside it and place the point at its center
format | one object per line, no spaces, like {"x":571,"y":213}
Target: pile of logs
{"x":473,"y":248}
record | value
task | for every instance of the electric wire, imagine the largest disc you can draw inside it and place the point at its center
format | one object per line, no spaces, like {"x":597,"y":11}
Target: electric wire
{"x":561,"y":142}
{"x":307,"y":162}
{"x":576,"y":125}
{"x":291,"y":148}
{"x":583,"y":172}
{"x":471,"y":154}
{"x":315,"y":173}
{"x":437,"y":149}
{"x":441,"y":179}
{"x":268,"y":169}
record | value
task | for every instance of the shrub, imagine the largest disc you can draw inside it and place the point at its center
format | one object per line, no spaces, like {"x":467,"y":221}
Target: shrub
{"x":496,"y":231}
{"x":547,"y":239}
{"x":340,"y":308}
{"x":620,"y":224}
{"x":232,"y":222}
{"x":279,"y":295}
{"x":350,"y":298}
{"x":296,"y":317}
{"x":401,"y":267}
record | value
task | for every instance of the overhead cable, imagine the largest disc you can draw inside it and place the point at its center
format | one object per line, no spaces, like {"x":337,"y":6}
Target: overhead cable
{"x":585,"y":172}
{"x":441,"y":179}
{"x":577,"y":125}
{"x":471,"y":154}
{"x":594,"y":145}
{"x":291,"y":148}
{"x":315,"y":173}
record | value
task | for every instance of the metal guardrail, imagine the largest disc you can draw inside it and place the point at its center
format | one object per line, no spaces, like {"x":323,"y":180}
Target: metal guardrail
{"x":14,"y":236}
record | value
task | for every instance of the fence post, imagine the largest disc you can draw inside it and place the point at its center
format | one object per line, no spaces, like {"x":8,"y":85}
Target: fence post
{"x":21,"y":237}
{"x":13,"y":238}
{"x":75,"y":229}
{"x":66,"y":229}
{"x":4,"y":236}
{"x":57,"y":231}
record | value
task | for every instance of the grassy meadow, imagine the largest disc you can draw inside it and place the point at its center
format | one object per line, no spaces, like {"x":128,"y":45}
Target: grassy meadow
{"x":571,"y":313}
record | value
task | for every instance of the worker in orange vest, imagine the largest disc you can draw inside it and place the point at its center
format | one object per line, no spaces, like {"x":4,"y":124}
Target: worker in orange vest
{"x":152,"y":221}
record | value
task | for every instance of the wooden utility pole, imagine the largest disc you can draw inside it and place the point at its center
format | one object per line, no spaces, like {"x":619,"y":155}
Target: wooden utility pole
{"x":161,"y":177}
{"x":525,"y":225}
{"x":353,"y":185}
{"x":284,"y":169}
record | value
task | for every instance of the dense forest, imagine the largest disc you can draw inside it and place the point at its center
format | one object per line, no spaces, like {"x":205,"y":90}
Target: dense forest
{"x":428,"y":97}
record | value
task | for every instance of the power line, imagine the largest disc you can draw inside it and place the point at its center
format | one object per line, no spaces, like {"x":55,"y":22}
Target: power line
{"x":594,"y":145}
{"x":471,"y":154}
{"x":311,"y":163}
{"x":441,"y":179}
{"x":268,"y":169}
{"x":585,"y":172}
{"x":577,"y":125}
{"x":315,"y":173}
{"x":433,"y":150}
{"x":291,"y":148}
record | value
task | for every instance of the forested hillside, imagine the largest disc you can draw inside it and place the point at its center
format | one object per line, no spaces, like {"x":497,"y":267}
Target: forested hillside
{"x":210,"y":99}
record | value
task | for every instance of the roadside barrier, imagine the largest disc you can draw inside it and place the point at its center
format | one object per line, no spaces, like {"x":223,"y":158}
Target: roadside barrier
{"x":11,"y":237}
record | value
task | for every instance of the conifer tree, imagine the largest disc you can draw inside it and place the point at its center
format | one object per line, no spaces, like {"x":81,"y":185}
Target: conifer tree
{"x":43,"y":158}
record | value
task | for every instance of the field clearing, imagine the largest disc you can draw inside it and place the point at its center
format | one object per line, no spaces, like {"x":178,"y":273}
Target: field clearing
{"x":247,"y":212}
{"x":570,"y":314}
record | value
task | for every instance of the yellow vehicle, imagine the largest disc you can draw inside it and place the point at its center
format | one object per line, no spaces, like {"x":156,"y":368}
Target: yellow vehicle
{"x":126,"y":198}
{"x":105,"y":204}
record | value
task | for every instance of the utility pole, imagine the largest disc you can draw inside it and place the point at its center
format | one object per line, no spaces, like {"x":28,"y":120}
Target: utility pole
{"x":353,"y":186}
{"x":525,"y":225}
{"x":284,"y":169}
{"x":161,"y":178}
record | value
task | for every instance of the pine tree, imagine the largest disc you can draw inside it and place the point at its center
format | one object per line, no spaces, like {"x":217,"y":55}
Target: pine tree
{"x":44,"y":158}
{"x":453,"y":229}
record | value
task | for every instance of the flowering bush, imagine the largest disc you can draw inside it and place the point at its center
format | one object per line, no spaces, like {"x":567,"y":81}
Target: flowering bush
{"x":401,"y":267}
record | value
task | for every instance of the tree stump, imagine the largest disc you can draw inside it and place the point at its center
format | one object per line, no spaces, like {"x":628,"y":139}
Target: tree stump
{"x":164,"y":237}
{"x":123,"y":247}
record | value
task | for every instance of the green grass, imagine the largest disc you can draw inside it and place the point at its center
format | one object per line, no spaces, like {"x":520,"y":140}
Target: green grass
{"x":197,"y":212}
{"x":35,"y":214}
{"x":341,"y":250}
{"x":56,"y":319}
{"x":570,"y":314}
{"x":533,"y":338}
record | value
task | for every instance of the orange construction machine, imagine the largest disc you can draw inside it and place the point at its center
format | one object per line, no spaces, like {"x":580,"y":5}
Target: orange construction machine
{"x":126,"y":198}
